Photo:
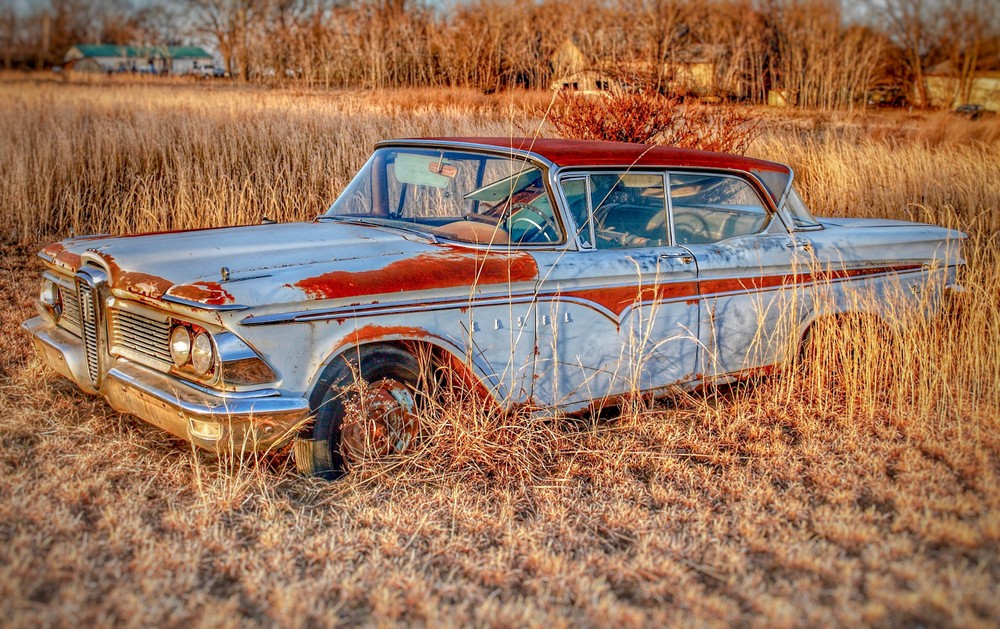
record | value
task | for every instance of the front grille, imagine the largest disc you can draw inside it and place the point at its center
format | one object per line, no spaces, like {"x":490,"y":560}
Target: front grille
{"x":70,"y":319}
{"x":140,"y":335}
{"x":88,"y":316}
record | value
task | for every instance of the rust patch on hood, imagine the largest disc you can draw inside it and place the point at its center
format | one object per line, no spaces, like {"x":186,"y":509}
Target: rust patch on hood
{"x":209,"y":293}
{"x":62,"y":258}
{"x":423,"y":272}
{"x":142,"y":284}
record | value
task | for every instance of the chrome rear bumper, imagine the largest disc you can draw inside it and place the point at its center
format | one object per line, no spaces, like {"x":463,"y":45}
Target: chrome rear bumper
{"x":228,"y":422}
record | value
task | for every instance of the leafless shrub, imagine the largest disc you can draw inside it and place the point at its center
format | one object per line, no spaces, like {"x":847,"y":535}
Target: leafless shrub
{"x":647,"y":117}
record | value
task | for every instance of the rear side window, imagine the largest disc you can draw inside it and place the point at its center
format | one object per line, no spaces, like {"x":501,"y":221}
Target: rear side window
{"x":709,"y":208}
{"x":629,"y":210}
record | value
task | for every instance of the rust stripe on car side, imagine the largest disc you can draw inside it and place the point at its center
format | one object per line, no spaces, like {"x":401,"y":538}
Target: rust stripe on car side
{"x":427,"y":271}
{"x":611,"y":301}
{"x":618,"y":299}
{"x":728,"y":285}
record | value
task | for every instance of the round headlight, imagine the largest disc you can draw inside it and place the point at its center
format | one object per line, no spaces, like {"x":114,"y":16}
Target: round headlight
{"x":51,"y":297}
{"x":180,"y":345}
{"x":202,"y":354}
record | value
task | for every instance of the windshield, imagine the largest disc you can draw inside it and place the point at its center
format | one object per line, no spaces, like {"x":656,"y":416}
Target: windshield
{"x":456,"y":195}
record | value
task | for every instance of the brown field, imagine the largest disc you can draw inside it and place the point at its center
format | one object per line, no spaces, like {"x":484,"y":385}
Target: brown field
{"x":802,"y":499}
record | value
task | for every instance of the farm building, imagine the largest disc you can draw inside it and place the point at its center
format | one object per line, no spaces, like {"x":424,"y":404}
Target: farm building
{"x":574,"y":72}
{"x":153,"y":59}
{"x":695,"y":69}
{"x":946,"y":90}
{"x":692,"y":69}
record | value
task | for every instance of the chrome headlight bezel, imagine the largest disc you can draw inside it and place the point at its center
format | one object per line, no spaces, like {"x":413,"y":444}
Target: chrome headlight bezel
{"x":217,"y":358}
{"x":180,"y":345}
{"x":203,"y":356}
{"x":50,"y":298}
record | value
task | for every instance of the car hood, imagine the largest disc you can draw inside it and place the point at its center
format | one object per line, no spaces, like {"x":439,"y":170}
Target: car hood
{"x":283,"y":263}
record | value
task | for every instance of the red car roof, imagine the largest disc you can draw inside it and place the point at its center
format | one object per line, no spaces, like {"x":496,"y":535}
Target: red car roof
{"x":566,"y":153}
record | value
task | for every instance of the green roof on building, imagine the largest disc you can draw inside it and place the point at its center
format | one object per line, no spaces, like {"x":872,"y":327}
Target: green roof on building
{"x":141,"y":52}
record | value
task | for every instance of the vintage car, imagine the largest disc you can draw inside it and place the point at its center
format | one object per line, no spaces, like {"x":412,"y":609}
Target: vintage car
{"x":551,"y":274}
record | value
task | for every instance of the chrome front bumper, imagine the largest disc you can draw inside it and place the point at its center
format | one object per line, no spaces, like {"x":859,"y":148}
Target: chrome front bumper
{"x":227,"y":422}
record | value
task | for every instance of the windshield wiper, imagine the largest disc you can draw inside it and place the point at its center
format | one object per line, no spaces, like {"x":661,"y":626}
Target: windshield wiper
{"x":355,"y":220}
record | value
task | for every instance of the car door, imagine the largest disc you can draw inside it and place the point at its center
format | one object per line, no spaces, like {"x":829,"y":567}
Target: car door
{"x":620,"y":312}
{"x":749,"y":269}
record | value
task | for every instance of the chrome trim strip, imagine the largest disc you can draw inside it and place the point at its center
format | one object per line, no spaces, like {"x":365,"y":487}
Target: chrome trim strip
{"x":405,"y":307}
{"x":586,"y":303}
{"x":411,"y":306}
{"x":66,"y":281}
{"x":468,"y":146}
{"x":200,"y":306}
{"x":89,"y":282}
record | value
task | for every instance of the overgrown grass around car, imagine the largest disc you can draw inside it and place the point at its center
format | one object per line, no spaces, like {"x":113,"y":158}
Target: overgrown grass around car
{"x":858,"y":488}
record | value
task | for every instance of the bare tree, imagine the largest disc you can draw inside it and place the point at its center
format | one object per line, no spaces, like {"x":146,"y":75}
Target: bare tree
{"x":912,"y":24}
{"x":229,"y":23}
{"x":970,"y":26}
{"x":8,"y":33}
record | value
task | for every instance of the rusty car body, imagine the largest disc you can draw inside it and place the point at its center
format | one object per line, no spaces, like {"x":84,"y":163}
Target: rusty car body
{"x":556,"y":274}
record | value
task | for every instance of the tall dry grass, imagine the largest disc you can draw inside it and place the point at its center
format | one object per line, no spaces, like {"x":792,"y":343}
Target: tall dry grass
{"x":120,"y":159}
{"x":858,"y":488}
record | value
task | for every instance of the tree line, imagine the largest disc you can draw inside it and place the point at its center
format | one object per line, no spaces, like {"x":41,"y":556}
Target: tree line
{"x":815,"y":53}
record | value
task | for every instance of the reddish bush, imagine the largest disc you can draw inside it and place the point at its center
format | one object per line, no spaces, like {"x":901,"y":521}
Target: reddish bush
{"x":648,"y":117}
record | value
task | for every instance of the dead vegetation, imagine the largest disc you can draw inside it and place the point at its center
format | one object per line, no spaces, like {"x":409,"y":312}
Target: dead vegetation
{"x":864,"y":494}
{"x":645,"y":116}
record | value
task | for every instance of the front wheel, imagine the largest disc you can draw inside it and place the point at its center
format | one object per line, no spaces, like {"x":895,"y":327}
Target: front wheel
{"x":368,"y":408}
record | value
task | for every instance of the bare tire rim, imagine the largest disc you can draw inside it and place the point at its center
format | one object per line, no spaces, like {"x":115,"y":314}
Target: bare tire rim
{"x":380,"y":420}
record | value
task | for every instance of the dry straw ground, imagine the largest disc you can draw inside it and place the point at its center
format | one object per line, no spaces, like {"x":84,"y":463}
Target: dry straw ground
{"x":803,"y":499}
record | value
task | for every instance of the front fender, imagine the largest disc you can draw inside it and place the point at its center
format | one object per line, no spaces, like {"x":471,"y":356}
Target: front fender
{"x":485,"y":378}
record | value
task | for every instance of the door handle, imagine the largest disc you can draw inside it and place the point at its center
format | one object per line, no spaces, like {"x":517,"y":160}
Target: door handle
{"x":804,"y":245}
{"x":685,"y":258}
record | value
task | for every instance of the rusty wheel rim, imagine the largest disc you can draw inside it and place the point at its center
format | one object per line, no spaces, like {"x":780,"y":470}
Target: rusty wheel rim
{"x":380,"y":420}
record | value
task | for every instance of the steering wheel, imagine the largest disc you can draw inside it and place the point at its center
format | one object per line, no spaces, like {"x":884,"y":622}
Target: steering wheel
{"x":611,"y":239}
{"x":691,"y":229}
{"x":531,"y":224}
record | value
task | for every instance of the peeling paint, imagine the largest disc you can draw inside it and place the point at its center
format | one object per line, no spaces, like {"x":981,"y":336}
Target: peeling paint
{"x":62,"y":257}
{"x":142,"y":284}
{"x":369,"y":333}
{"x":426,"y":271}
{"x":209,"y":293}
